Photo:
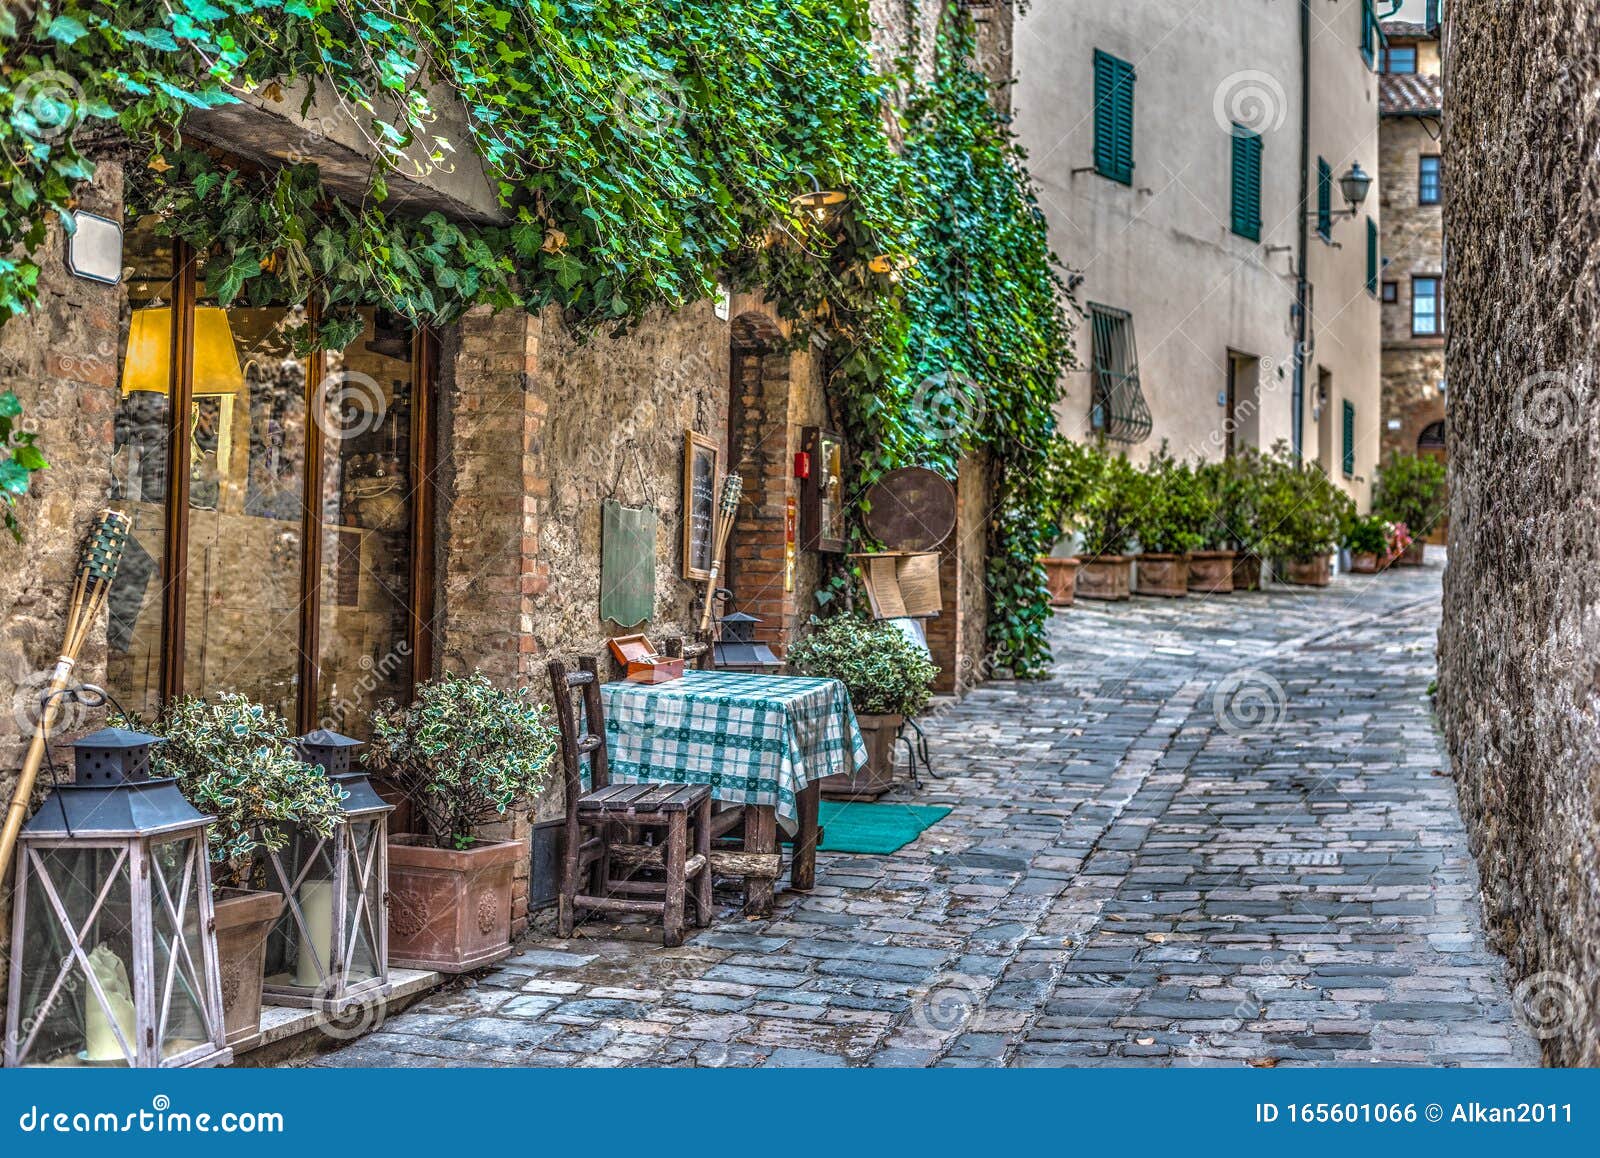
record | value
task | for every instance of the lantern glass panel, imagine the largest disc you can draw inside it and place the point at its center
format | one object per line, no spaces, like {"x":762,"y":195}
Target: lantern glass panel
{"x":179,"y":946}
{"x":361,"y":945}
{"x":300,"y":947}
{"x":68,"y":1023}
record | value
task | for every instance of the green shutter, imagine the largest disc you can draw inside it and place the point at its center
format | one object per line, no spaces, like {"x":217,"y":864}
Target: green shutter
{"x":1371,"y":34}
{"x":1324,"y":200}
{"x":1246,"y":183}
{"x":1349,"y":437}
{"x":1113,"y":117}
{"x":1372,"y":256}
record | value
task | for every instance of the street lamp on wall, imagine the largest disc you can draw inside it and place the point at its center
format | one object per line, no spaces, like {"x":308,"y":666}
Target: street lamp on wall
{"x":1354,"y":187}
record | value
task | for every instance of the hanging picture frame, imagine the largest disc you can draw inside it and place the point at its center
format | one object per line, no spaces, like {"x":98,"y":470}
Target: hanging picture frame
{"x":702,"y":466}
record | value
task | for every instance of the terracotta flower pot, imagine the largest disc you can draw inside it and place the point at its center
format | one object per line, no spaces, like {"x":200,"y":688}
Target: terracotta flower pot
{"x":243,"y":921}
{"x":1364,"y":563}
{"x":1062,"y":577}
{"x":1316,"y":572}
{"x":1164,"y":575}
{"x":1211,"y":572}
{"x":1413,"y":555}
{"x":877,"y":776}
{"x":449,"y":910}
{"x":1105,"y":577}
{"x":1246,"y":572}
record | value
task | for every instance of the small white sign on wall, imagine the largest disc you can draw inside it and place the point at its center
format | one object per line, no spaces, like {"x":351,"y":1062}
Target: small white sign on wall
{"x":94,"y":251}
{"x":724,"y":304}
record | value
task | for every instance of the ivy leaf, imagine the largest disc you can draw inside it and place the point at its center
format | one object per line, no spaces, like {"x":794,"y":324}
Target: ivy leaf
{"x":65,"y":29}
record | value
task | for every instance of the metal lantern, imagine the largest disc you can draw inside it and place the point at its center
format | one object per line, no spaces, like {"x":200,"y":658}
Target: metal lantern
{"x":329,"y":949}
{"x":739,"y":650}
{"x":114,"y":951}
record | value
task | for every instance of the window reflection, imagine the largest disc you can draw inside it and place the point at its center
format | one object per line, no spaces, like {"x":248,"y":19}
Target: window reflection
{"x":139,"y":470}
{"x":366,"y":512}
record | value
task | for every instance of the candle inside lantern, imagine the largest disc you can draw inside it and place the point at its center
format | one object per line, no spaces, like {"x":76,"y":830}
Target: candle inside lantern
{"x":101,"y":1044}
{"x":316,"y":946}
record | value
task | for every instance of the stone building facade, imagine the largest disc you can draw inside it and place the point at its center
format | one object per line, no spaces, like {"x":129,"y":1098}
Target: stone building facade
{"x":1193,"y":252}
{"x":1519,"y":691}
{"x":1411,"y":181}
{"x":516,"y":431}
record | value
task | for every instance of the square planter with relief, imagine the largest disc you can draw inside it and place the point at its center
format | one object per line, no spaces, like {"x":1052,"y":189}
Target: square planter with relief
{"x":449,"y":909}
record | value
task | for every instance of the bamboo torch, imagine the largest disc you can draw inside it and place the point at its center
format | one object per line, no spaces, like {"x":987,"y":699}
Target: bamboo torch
{"x":721,"y":528}
{"x":97,"y":566}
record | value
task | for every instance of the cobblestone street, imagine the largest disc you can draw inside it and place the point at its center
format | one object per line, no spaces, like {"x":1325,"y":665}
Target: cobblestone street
{"x":1222,"y":834}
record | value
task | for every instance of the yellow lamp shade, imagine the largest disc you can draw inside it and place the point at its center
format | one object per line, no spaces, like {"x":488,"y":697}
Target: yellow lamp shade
{"x":149,"y":360}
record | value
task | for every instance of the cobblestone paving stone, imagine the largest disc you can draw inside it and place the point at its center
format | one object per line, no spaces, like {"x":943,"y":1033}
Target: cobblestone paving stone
{"x":1221,"y":834}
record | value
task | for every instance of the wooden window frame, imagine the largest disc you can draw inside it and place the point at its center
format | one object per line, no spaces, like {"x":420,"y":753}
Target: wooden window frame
{"x":1438,"y":306}
{"x":174,"y":602}
{"x":1391,"y":293}
{"x":1438,"y":179}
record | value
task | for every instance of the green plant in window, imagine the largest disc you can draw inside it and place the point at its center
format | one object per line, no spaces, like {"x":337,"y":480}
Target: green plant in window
{"x":236,"y":761}
{"x":464,"y":752}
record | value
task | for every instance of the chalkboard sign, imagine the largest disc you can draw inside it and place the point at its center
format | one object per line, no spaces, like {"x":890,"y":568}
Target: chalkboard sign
{"x":701,"y":460}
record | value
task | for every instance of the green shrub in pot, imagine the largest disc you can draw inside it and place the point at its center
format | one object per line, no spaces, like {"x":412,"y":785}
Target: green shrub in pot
{"x":884,"y":672}
{"x":236,"y":761}
{"x":1304,"y":514}
{"x":1368,"y":535}
{"x":1410,"y":489}
{"x":464,"y":752}
{"x":1072,"y":471}
{"x":1176,"y":513}
{"x":1111,"y":507}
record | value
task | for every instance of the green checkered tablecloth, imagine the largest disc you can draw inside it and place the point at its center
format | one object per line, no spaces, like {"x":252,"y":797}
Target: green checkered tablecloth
{"x":755,"y":739}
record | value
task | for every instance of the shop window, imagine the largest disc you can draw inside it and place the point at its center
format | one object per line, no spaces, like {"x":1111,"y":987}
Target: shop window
{"x":281,"y":561}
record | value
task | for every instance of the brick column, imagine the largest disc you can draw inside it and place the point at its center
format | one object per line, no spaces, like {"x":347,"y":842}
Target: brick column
{"x":493,"y":486}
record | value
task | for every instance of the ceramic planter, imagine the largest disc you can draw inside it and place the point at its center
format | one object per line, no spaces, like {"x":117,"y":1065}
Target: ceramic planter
{"x":1166,"y":576}
{"x":1062,"y":577}
{"x":1316,"y":572}
{"x":1105,"y":577}
{"x":1412,"y":556}
{"x":1246,"y":572}
{"x":243,"y":921}
{"x":877,"y":776}
{"x":450,"y":910}
{"x":1211,"y":572}
{"x":1364,"y":563}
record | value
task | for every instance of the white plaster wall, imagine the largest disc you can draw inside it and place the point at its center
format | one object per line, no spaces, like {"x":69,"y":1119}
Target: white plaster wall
{"x":1164,"y":249}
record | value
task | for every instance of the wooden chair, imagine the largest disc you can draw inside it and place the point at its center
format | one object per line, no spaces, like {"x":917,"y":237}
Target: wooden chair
{"x":675,"y":814}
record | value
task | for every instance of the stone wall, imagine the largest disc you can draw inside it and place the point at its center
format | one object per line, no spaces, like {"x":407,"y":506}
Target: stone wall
{"x":1519,"y":685}
{"x":61,"y":361}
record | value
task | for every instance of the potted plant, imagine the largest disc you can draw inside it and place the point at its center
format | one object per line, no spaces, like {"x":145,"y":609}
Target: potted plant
{"x":1411,"y":490}
{"x":1307,"y":515}
{"x":1245,"y":529}
{"x":1400,"y":542}
{"x":464,"y":752}
{"x":1211,"y":565}
{"x":1071,"y":470}
{"x":1106,"y":525}
{"x":1170,"y":523}
{"x":1367,"y":540}
{"x":888,"y":677}
{"x":236,"y":761}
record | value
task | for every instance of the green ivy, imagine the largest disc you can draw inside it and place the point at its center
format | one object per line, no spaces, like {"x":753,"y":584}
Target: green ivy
{"x":639,"y":152}
{"x":19,"y":459}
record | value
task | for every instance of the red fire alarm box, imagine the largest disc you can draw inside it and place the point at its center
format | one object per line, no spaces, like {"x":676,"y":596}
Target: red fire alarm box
{"x":644,"y":665}
{"x":802,"y":465}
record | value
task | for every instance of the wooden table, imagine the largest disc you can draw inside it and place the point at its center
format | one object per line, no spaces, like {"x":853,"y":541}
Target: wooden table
{"x":761,"y":743}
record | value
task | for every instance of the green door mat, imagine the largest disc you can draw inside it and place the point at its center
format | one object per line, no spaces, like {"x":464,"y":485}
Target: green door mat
{"x":876,"y":828}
